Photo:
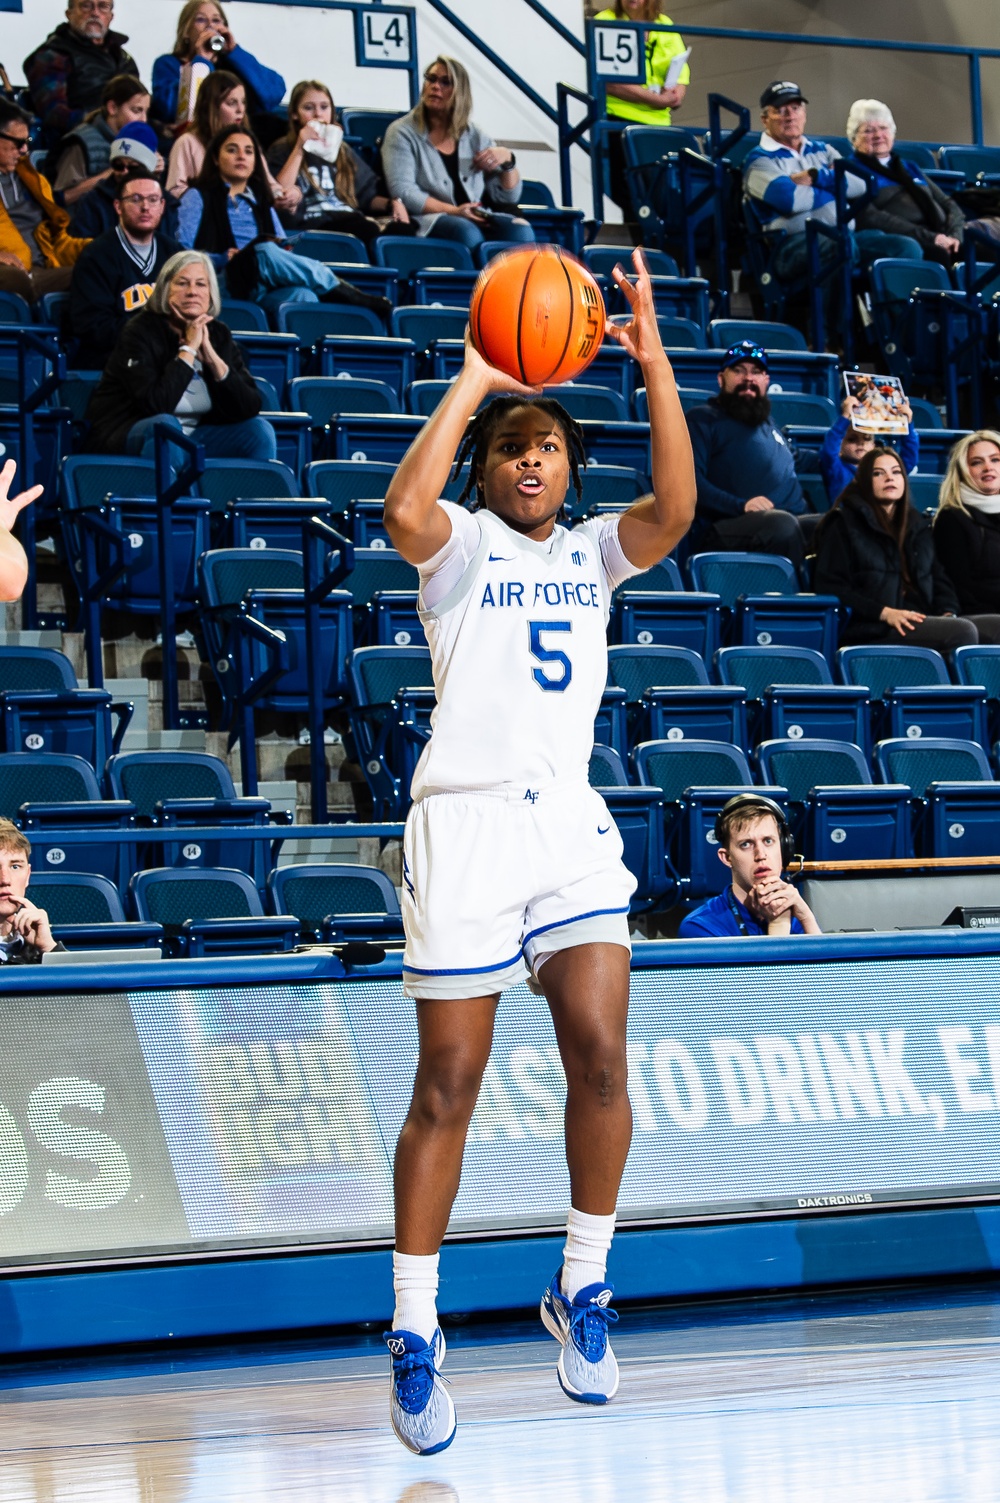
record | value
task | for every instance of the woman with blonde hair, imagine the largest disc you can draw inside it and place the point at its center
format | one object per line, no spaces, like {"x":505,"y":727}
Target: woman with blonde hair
{"x":203,"y":33}
{"x":335,"y":189}
{"x":441,"y":165}
{"x":967,"y":524}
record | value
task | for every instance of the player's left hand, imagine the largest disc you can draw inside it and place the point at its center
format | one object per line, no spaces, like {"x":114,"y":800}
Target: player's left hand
{"x":641,"y":335}
{"x":493,"y":379}
{"x":11,"y":505}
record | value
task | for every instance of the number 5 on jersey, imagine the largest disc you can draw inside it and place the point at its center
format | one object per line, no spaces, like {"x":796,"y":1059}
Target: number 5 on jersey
{"x":550,"y":681}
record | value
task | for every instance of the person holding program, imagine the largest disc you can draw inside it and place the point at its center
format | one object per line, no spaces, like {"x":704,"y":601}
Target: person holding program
{"x":845,"y":445}
{"x":511,"y":862}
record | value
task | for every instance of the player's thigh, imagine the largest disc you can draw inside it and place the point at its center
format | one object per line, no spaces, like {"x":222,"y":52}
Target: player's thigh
{"x":587,"y":990}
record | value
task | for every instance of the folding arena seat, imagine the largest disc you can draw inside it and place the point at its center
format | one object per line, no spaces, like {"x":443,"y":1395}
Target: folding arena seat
{"x":432,"y":271}
{"x":337,"y":903}
{"x":602,"y":260}
{"x":792,"y":695}
{"x":679,"y":333}
{"x":924,"y":492}
{"x":911,"y":693}
{"x":85,"y":912}
{"x":724,"y":332}
{"x":696,"y":778}
{"x":274,"y":357}
{"x":761,"y":591}
{"x":15,"y":310}
{"x":959,"y":800}
{"x":582,"y":401}
{"x":384,"y":437}
{"x":606,"y":485}
{"x":685,"y":619}
{"x":639,"y":816}
{"x":341,"y":481}
{"x":377,"y":570}
{"x":840,"y":814}
{"x":617,"y":443}
{"x":227,"y":480}
{"x":390,"y":704}
{"x":807,"y":408}
{"x":210,"y":911}
{"x":50,"y":794}
{"x":670,"y":697}
{"x":324,"y":398}
{"x":332,"y":245}
{"x":553,"y":224}
{"x":423,"y":397}
{"x":366,"y":130}
{"x":311,"y":322}
{"x":979,"y":164}
{"x":606,"y":768}
{"x":384,"y":359}
{"x":980,"y":665}
{"x":424,"y":325}
{"x":43,"y":708}
{"x":925,"y":414}
{"x":194,"y":790}
{"x":273,"y":521}
{"x":242,"y":317}
{"x":908,"y":313}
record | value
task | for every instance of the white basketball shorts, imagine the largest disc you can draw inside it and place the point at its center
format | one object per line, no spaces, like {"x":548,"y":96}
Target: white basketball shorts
{"x":497,"y":880}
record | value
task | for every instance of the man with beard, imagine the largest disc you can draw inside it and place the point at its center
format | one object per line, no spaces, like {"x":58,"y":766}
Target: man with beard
{"x":67,"y":73}
{"x":749,"y":497}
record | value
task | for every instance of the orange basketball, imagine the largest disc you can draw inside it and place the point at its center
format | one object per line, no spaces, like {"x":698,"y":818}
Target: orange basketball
{"x":537,"y":314}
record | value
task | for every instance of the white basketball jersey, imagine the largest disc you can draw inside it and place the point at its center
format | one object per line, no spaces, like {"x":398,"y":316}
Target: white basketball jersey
{"x":519,"y":655}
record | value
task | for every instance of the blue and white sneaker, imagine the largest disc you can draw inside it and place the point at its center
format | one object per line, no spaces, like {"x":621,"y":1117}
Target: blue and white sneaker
{"x":420,"y":1407}
{"x":587,"y":1368}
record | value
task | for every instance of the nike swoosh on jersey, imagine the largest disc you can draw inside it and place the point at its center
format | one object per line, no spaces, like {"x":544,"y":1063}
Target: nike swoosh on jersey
{"x":604,"y":831}
{"x":498,"y":558}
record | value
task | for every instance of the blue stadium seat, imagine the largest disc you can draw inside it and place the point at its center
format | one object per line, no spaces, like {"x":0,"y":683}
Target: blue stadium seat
{"x":606,"y":485}
{"x":602,"y":260}
{"x":366,"y":129}
{"x":242,"y":317}
{"x":582,"y":400}
{"x":723,"y":332}
{"x":793,"y":694}
{"x":178,"y":789}
{"x":911,"y":693}
{"x":924,"y":492}
{"x":43,"y":708}
{"x":325,"y":397}
{"x":341,"y":481}
{"x":391,"y":360}
{"x":14,"y":310}
{"x":617,"y":443}
{"x":730,"y":575}
{"x":390,"y":727}
{"x":331,"y":245}
{"x":841,"y":815}
{"x":310,"y":323}
{"x":925,"y":414}
{"x":226,"y":480}
{"x":85,"y":912}
{"x":272,"y":522}
{"x":424,"y":397}
{"x":899,"y":318}
{"x":671,"y":699}
{"x":435,"y":272}
{"x":808,"y":408}
{"x":696,"y":778}
{"x":49,"y":793}
{"x":678,"y":333}
{"x":274,"y":357}
{"x":977,"y":665}
{"x":685,"y":619}
{"x":365,"y":523}
{"x":394,"y":619}
{"x":960,"y":802}
{"x":210,"y":911}
{"x":761,"y":591}
{"x":606,"y":768}
{"x":425,"y":325}
{"x":337,"y":903}
{"x":384,"y":437}
{"x":980,"y":164}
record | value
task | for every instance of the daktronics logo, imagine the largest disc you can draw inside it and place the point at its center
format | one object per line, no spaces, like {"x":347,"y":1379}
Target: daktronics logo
{"x":110,"y":1176}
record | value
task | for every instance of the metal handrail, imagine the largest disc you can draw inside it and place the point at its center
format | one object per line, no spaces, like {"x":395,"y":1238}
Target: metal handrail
{"x":168,"y":490}
{"x":495,"y":59}
{"x":30,"y":341}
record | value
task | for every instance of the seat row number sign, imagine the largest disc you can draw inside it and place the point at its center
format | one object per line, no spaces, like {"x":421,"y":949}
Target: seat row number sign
{"x":617,"y":53}
{"x":385,"y":36}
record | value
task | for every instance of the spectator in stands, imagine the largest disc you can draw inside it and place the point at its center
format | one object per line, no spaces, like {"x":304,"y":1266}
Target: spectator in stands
{"x":203,"y":32}
{"x":134,"y":146}
{"x":176,"y":363}
{"x":877,"y":555}
{"x":25,"y":935}
{"x":230,"y":215}
{"x":448,"y":173}
{"x":117,"y":272}
{"x":67,"y":73}
{"x":337,"y":190}
{"x":13,"y":561}
{"x":967,"y":524}
{"x":648,"y":103}
{"x":844,"y":446}
{"x":221,"y":101}
{"x":749,"y":497}
{"x":903,"y":200}
{"x":82,"y":159}
{"x":37,"y":253}
{"x":789,"y":178}
{"x":750,"y":831}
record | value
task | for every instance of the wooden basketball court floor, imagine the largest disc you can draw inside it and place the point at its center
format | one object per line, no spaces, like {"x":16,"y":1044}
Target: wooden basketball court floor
{"x":887,"y":1395}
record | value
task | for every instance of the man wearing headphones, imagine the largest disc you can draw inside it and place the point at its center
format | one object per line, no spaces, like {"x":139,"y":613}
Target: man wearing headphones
{"x":756,"y":844}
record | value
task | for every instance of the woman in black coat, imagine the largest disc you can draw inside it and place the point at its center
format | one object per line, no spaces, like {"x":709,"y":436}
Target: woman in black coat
{"x":176,"y":363}
{"x":967,"y":525}
{"x":877,"y":555}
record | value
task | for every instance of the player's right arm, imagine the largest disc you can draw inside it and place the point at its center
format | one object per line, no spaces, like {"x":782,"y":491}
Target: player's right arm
{"x":415,"y":522}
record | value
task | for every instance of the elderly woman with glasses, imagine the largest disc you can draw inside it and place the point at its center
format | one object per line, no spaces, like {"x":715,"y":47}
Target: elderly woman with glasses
{"x":175,"y":363}
{"x":450,"y":176}
{"x":902,"y":199}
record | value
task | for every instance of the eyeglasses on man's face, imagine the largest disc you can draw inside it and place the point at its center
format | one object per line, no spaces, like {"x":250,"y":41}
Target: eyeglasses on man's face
{"x":439,"y":78}
{"x":103,"y":7}
{"x":150,"y":200}
{"x":21,"y":142}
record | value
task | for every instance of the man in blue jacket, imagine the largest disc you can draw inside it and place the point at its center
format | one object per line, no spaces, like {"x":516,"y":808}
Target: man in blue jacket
{"x":749,"y":497}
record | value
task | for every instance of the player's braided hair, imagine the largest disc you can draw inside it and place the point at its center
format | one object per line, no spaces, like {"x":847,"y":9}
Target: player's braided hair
{"x":485,"y":425}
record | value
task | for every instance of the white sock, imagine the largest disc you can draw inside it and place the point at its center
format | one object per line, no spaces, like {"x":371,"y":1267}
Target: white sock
{"x":585,"y":1256}
{"x":415,"y":1280}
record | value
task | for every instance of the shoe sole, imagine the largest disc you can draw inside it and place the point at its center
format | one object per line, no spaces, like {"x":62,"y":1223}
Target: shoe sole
{"x":551,"y":1324}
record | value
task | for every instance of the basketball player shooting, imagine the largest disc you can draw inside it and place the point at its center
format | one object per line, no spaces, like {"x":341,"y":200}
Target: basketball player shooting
{"x":511,"y":861}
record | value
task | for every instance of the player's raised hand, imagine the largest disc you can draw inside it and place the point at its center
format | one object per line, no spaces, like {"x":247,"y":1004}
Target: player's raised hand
{"x":492,"y":379}
{"x":11,"y":505}
{"x":641,"y":335}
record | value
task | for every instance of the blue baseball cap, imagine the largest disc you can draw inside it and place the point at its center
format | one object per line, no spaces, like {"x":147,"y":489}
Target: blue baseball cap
{"x":745,"y":350}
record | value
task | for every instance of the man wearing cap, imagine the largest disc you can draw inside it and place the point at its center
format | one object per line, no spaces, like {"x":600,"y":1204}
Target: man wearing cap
{"x":37,"y":252}
{"x":67,"y":73}
{"x":789,"y":177}
{"x":754,"y":843}
{"x":135,"y":148}
{"x":117,"y":272}
{"x":749,"y":497}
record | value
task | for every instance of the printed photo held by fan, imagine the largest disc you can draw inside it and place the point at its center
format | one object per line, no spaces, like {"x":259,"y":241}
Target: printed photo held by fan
{"x":538,"y":315}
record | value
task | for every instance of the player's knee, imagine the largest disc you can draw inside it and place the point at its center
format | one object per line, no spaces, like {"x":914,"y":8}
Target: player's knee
{"x":599,"y":1071}
{"x":446,"y":1096}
